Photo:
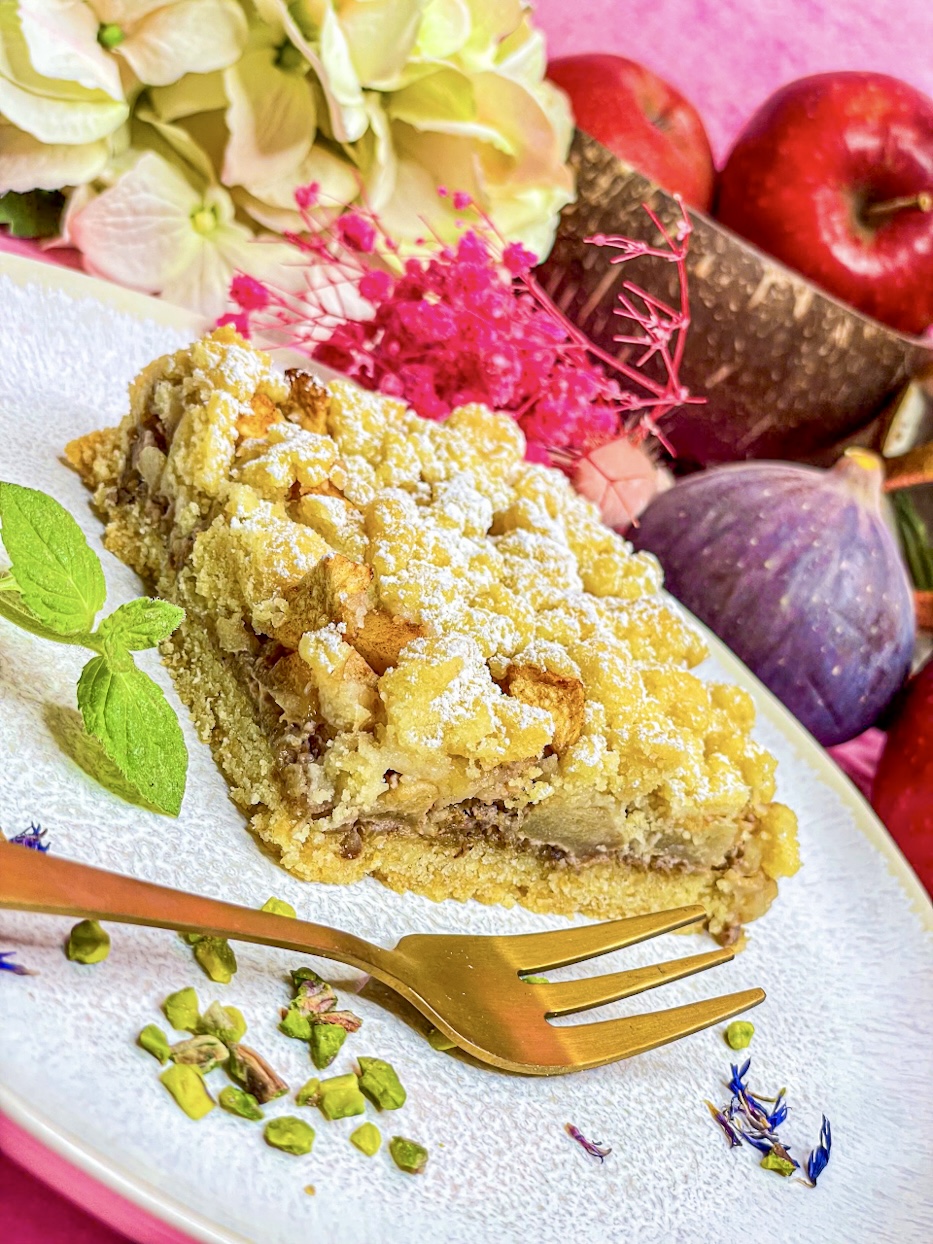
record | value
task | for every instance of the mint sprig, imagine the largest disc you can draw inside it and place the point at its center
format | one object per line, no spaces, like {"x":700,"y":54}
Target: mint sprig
{"x":55,"y":589}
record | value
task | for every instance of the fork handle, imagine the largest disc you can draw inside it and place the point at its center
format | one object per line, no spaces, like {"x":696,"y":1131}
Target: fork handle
{"x":33,"y":881}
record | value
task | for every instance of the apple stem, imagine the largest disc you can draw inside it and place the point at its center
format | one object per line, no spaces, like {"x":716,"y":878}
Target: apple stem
{"x":923,"y":202}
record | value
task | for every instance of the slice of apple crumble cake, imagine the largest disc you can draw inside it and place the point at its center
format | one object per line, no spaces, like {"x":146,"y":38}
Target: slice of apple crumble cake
{"x":418,"y":656}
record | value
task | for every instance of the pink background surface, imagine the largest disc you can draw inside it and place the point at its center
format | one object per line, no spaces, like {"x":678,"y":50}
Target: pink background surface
{"x":727,"y":56}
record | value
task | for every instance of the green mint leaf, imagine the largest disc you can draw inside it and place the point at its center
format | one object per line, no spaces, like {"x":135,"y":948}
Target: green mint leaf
{"x":34,"y":214}
{"x":58,"y":574}
{"x":141,"y":623}
{"x":14,"y":609}
{"x":132,"y":720}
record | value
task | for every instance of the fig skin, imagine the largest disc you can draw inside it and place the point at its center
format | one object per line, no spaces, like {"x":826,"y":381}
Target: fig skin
{"x":797,"y":572}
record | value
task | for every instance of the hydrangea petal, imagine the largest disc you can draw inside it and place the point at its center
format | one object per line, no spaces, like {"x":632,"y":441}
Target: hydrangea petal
{"x":194,"y":93}
{"x":491,"y":21}
{"x":26,"y":164}
{"x":204,"y":284}
{"x":523,"y":55}
{"x":139,"y":231}
{"x":377,"y":156}
{"x":313,"y":27}
{"x":62,"y":39}
{"x":270,"y":117}
{"x":177,"y":143}
{"x":273,"y":203}
{"x":447,"y":102}
{"x":445,"y":28}
{"x":189,"y":36}
{"x":380,"y":36}
{"x":54,"y":111}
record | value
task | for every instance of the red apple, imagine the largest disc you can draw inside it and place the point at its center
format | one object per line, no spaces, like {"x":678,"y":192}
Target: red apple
{"x":833,"y":175}
{"x":902,"y":793}
{"x":642,"y":120}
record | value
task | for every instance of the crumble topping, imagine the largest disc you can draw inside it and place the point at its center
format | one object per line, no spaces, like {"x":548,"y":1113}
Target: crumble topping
{"x":444,"y":620}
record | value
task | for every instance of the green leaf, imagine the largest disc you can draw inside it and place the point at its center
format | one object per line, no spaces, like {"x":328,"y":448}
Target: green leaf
{"x":141,"y":623}
{"x":15,"y":609}
{"x":129,"y":716}
{"x":58,"y":574}
{"x":34,"y":214}
{"x":915,"y":540}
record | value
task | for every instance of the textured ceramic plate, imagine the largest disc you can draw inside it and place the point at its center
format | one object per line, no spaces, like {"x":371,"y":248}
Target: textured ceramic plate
{"x":844,"y":956}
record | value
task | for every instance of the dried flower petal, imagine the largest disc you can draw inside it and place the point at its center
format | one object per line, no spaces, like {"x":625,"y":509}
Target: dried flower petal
{"x":819,"y":1158}
{"x":593,"y":1148}
{"x":32,"y":838}
{"x":16,"y":968}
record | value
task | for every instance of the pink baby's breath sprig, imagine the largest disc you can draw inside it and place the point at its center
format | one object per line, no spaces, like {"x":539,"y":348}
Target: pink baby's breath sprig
{"x":446,"y":323}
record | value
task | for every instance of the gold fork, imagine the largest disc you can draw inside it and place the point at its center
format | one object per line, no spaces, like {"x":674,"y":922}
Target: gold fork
{"x":471,"y":988}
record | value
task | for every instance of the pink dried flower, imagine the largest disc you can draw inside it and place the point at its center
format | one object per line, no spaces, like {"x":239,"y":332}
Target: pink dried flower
{"x":248,"y":293}
{"x":468,"y":322}
{"x":239,"y":320}
{"x":357,"y":233}
{"x":308,"y":196}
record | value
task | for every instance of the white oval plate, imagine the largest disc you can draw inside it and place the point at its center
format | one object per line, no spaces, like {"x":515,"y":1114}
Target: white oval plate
{"x":844,"y":956}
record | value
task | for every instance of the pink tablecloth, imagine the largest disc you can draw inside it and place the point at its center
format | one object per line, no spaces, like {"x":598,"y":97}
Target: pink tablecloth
{"x":727,"y":56}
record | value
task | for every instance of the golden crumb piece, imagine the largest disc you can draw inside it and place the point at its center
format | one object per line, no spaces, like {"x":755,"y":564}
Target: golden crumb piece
{"x":309,"y":400}
{"x":335,"y":590}
{"x":92,"y":456}
{"x":262,"y":414}
{"x":561,"y":696}
{"x":381,"y":638}
{"x":345,"y":684}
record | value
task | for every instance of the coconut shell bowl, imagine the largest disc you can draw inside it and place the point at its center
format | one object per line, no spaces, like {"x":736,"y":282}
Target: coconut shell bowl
{"x":786,"y":370}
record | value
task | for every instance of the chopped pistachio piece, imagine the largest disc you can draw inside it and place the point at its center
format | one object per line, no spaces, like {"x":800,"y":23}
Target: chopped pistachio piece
{"x":408,"y":1155}
{"x":340,"y":1097}
{"x":305,"y":974}
{"x":289,"y":1134}
{"x":773,"y":1162}
{"x":438,"y":1041}
{"x":326,"y":1040}
{"x":380,"y":1084}
{"x":367,"y":1139}
{"x":216,"y":957}
{"x":296,"y":1025}
{"x":314,"y":997}
{"x":88,"y":943}
{"x":254,"y":1074}
{"x":154,"y":1041}
{"x":182,"y":1011}
{"x":186,"y":1085}
{"x":340,"y":1019}
{"x":204,"y":1052}
{"x":238,"y":1101}
{"x":224,"y":1022}
{"x":278,"y":907}
{"x":739,"y":1034}
{"x":308,"y":1093}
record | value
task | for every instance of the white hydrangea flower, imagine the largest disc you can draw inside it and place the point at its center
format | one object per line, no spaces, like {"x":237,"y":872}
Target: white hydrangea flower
{"x":203,"y":117}
{"x":153,"y":231}
{"x":426,"y":93}
{"x":54,"y":130}
{"x":158,"y":40}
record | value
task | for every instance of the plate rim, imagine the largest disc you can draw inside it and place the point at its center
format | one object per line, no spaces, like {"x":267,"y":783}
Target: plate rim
{"x":102,"y":1168}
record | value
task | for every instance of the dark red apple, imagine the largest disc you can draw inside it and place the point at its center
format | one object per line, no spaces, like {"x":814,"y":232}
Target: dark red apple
{"x":833,"y":175}
{"x":642,"y":119}
{"x":903,"y":789}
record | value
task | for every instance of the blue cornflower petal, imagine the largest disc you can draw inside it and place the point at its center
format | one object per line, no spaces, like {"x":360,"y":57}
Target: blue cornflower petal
{"x":31,"y":837}
{"x":7,"y":966}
